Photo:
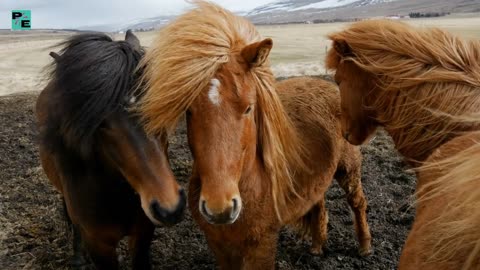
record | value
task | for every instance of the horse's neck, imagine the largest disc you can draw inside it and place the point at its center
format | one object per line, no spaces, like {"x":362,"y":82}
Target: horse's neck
{"x":416,"y":117}
{"x":414,"y":154}
{"x":415,"y":144}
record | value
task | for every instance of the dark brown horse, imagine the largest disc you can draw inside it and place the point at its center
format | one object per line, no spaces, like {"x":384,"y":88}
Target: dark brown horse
{"x":115,"y":180}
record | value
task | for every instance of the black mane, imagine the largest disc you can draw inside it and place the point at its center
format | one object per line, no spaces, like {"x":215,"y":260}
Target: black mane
{"x":91,"y":78}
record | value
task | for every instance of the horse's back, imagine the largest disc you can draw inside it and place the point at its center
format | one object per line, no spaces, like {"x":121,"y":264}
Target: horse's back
{"x":314,"y":107}
{"x":311,"y":103}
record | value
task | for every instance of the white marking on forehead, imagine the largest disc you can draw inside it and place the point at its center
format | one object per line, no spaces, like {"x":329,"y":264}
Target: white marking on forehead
{"x":213,"y":93}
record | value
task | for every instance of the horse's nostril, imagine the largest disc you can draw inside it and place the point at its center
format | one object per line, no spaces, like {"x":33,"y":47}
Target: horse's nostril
{"x":159,"y":212}
{"x":235,"y":205}
{"x":204,"y":209}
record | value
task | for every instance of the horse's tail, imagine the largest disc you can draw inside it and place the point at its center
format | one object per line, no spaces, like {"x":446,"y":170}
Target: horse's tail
{"x":456,"y":230}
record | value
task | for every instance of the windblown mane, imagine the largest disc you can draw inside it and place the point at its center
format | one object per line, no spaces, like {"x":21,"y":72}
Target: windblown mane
{"x":426,"y":78}
{"x":456,"y":229}
{"x":182,"y":61}
{"x":428,"y":93}
{"x":92,"y":78}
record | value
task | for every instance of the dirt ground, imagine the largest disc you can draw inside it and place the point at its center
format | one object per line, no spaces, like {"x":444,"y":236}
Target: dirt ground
{"x":33,"y":234}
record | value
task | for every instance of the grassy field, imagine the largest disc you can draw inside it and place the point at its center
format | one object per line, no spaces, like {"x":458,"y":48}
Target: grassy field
{"x":298,"y":49}
{"x":307,"y":43}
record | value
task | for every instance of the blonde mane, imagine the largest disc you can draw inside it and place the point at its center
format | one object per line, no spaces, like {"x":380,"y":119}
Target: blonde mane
{"x":428,"y":92}
{"x":182,"y":61}
{"x":420,"y":73}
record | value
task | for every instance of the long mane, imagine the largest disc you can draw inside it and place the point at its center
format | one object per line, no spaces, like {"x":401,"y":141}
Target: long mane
{"x":91,"y":79}
{"x":428,"y":92}
{"x":182,"y":61}
{"x":426,"y":78}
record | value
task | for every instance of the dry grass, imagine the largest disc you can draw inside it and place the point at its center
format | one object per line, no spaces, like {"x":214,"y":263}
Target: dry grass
{"x":298,"y":49}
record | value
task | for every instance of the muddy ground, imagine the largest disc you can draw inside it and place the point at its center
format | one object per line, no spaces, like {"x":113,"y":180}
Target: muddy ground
{"x":33,"y":234}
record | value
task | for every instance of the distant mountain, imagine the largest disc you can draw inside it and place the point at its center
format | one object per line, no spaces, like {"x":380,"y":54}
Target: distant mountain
{"x":136,"y":25}
{"x":289,"y":11}
{"x":296,"y":5}
{"x":285,"y":11}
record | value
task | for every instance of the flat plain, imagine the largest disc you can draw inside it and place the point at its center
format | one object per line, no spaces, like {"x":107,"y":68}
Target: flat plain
{"x":299,"y":49}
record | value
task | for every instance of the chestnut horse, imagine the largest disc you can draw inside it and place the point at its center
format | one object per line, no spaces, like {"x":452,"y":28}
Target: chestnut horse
{"x":97,"y":155}
{"x":423,"y":87}
{"x":262,"y":159}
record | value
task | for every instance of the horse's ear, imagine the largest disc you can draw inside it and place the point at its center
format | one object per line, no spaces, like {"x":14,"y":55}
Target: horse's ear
{"x":257,"y":53}
{"x":342,"y":48}
{"x":55,"y":56}
{"x":131,"y":39}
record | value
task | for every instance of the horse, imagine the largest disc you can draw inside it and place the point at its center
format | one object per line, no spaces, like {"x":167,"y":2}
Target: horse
{"x":423,"y":87}
{"x":115,"y":180}
{"x":262,"y":159}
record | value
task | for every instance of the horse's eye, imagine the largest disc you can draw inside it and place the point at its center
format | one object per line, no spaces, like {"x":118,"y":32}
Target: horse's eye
{"x":248,"y":110}
{"x":188,"y":113}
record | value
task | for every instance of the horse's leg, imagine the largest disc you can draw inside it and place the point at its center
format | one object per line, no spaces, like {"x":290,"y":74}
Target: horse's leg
{"x":348,"y":175}
{"x":318,"y":227}
{"x":101,"y":251}
{"x":139,"y":243}
{"x":78,"y":259}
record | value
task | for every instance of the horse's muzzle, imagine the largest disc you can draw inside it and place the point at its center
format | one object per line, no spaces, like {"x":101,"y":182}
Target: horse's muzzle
{"x":169,"y":217}
{"x":228,"y":216}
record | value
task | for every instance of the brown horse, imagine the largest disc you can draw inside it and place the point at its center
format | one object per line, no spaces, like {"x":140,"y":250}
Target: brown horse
{"x":423,"y":87}
{"x":95,"y":153}
{"x":258,"y":154}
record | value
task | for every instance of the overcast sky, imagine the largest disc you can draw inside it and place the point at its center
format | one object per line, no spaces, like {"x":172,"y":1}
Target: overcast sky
{"x":78,"y":13}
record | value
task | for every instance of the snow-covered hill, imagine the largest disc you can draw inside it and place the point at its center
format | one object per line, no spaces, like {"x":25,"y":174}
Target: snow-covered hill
{"x":288,"y":11}
{"x":295,"y":5}
{"x":135,"y":25}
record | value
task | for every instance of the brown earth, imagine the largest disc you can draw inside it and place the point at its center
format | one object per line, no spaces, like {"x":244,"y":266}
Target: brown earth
{"x":33,"y":233}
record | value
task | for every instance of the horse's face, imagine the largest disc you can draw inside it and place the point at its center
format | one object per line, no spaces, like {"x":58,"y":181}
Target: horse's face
{"x":222,"y":134}
{"x":143,"y":162}
{"x":356,"y":92}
